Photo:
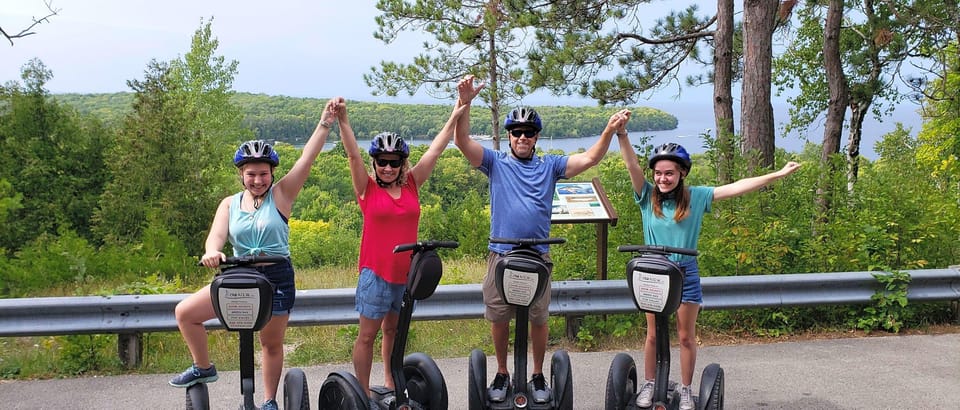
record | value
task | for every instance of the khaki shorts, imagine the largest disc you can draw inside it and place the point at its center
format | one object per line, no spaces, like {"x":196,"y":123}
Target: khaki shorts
{"x":498,"y":311}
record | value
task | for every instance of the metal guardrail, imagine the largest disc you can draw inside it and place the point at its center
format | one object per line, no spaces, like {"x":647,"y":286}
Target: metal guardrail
{"x":135,"y":314}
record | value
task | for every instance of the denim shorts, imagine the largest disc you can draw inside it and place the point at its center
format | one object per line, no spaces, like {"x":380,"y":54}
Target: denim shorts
{"x":692,"y":291}
{"x":377,"y":297}
{"x":281,"y":276}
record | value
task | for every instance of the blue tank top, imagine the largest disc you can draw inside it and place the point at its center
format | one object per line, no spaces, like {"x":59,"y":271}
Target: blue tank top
{"x":521,"y":195}
{"x":263,"y":231}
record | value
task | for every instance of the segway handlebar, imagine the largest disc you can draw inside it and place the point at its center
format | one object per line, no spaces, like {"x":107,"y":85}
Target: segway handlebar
{"x":425,"y":246}
{"x":528,"y":241}
{"x":657,"y":249}
{"x":251,"y":259}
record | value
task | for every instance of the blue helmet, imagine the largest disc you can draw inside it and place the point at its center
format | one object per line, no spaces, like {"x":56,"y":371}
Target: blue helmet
{"x":388,"y":143}
{"x":256,"y":151}
{"x":523,"y":116}
{"x":673,"y":152}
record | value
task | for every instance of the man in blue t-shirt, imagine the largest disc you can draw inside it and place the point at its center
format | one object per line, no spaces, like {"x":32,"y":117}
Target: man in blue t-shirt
{"x":522,"y":186}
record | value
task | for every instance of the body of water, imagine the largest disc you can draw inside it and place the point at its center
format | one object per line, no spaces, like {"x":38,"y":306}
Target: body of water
{"x":694,"y":120}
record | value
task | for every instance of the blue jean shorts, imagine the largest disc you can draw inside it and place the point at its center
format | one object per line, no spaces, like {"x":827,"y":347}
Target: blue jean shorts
{"x":281,"y":276}
{"x":377,"y":297}
{"x":692,"y":291}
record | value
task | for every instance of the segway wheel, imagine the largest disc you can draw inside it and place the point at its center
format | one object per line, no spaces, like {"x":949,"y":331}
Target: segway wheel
{"x":425,"y":384}
{"x":295,"y":393}
{"x":342,"y":391}
{"x":711,"y":388}
{"x":477,"y":380}
{"x":561,"y":378}
{"x":621,"y":382}
{"x":198,"y":397}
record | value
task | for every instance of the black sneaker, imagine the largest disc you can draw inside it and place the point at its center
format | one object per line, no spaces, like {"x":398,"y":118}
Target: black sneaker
{"x":270,"y":405}
{"x":498,"y":389}
{"x":194,"y":375}
{"x":538,"y":389}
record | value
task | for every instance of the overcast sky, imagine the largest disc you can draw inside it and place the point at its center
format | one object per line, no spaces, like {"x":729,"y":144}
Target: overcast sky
{"x":300,"y":48}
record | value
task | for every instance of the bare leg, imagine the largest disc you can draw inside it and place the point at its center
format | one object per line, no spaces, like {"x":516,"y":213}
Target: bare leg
{"x":501,"y":337}
{"x":271,"y":343}
{"x":538,"y":340}
{"x":687,"y":331}
{"x":389,"y":329}
{"x":363,"y":350}
{"x":650,"y":349}
{"x":191,"y":313}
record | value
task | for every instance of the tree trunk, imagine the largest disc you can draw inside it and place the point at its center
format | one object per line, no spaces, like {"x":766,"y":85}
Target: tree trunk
{"x":722,"y":90}
{"x":837,"y":105}
{"x":756,"y":122}
{"x":494,"y":92}
{"x":858,"y":111}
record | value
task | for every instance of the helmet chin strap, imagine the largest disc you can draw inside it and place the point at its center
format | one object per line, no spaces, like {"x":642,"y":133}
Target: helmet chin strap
{"x":383,"y":184}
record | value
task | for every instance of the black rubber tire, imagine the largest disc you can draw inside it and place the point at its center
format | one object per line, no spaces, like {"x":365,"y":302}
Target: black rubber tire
{"x":296,"y":394}
{"x":198,"y":397}
{"x":425,"y":383}
{"x":561,"y":379}
{"x":341,"y":391}
{"x":711,"y":388}
{"x":477,"y":380}
{"x":621,"y":382}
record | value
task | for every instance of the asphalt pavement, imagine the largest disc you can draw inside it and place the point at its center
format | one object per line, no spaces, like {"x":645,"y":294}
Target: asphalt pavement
{"x":902,"y":372}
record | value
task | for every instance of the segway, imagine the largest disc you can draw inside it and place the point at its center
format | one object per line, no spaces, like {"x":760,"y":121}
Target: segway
{"x":521,"y":278}
{"x":243,"y":301}
{"x":656,"y":284}
{"x":418,"y":380}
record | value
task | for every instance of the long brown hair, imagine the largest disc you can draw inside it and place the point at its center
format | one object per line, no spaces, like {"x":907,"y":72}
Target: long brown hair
{"x":683,"y":201}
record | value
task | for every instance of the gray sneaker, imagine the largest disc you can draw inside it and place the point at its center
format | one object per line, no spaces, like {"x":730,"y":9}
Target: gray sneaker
{"x":270,"y":405}
{"x":498,"y":389}
{"x":645,"y":398}
{"x":194,"y":375}
{"x":538,"y":389}
{"x":686,"y":398}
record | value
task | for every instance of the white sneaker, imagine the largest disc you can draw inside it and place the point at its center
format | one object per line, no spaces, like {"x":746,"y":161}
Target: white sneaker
{"x":645,"y":398}
{"x":686,"y":398}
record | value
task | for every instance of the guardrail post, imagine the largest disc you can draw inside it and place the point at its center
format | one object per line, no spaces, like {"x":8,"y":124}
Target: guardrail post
{"x":130,"y":349}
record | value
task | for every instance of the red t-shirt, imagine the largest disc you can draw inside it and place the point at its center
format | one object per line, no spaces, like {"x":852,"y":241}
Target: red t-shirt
{"x":388,"y":222}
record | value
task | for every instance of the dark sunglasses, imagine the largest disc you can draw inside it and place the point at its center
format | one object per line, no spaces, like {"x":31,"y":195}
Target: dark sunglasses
{"x":394,"y":163}
{"x":525,"y":133}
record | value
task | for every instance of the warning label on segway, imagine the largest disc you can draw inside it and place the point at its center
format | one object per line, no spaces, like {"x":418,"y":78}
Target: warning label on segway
{"x":519,"y":287}
{"x":239,"y":307}
{"x":651,"y":290}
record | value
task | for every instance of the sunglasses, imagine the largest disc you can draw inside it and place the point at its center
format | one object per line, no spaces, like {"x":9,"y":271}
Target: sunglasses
{"x":525,"y":133}
{"x":393,"y":163}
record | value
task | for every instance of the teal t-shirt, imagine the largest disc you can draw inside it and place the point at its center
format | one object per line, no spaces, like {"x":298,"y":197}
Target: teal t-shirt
{"x":667,"y":232}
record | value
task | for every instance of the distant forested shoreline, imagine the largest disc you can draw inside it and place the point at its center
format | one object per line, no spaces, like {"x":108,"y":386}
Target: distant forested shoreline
{"x":292,"y":119}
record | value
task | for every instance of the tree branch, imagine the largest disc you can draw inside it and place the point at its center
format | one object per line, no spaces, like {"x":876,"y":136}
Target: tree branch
{"x":26,"y":32}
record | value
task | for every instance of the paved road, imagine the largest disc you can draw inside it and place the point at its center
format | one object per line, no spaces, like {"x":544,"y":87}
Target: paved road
{"x":903,"y":372}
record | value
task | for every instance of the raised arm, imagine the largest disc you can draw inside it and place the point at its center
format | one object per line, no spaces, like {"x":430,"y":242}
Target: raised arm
{"x":751,"y":184}
{"x":358,"y":171}
{"x":471,"y":149}
{"x":578,"y":163}
{"x":421,"y":171}
{"x":636,"y":171}
{"x":288,"y":187}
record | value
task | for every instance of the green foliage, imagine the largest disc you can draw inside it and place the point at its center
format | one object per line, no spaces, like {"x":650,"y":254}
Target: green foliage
{"x":890,"y":309}
{"x":58,"y":173}
{"x":314,"y":244}
{"x":83,"y":354}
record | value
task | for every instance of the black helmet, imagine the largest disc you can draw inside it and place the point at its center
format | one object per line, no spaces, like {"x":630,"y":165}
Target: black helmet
{"x":256,"y":151}
{"x":673,"y":152}
{"x":522,"y":116}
